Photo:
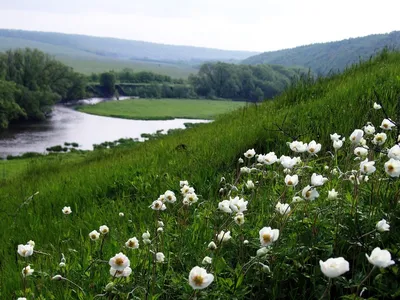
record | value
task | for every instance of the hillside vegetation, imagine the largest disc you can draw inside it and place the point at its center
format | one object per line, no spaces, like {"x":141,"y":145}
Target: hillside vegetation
{"x":91,"y":46}
{"x":323,"y":58}
{"x":129,"y":180}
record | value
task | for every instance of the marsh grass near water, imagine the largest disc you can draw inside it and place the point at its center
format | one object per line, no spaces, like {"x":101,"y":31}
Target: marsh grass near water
{"x":255,"y":262}
{"x":162,"y":109}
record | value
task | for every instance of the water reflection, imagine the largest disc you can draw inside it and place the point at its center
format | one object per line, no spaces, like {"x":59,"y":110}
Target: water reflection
{"x":68,"y":125}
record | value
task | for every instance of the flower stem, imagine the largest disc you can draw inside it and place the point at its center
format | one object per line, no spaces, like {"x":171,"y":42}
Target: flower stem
{"x":365,"y":279}
{"x":328,"y":287}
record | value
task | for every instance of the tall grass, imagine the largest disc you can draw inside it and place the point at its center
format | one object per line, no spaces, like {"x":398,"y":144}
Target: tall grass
{"x":128,"y":180}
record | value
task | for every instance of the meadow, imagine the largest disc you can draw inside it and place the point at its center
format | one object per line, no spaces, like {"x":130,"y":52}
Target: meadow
{"x":162,"y":109}
{"x":257,"y":233}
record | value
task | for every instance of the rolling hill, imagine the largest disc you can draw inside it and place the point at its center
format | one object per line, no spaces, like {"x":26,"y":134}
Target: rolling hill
{"x":89,"y":53}
{"x":322,"y":58}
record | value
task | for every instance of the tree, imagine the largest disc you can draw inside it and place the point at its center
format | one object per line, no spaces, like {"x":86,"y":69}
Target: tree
{"x":107,"y":82}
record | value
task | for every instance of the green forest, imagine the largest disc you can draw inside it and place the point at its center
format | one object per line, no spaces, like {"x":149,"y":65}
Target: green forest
{"x":31,"y":82}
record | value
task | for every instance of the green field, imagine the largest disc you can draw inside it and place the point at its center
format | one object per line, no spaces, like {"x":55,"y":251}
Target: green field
{"x":162,"y":109}
{"x":106,"y":183}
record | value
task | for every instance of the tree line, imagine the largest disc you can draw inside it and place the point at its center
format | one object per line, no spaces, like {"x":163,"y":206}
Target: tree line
{"x":31,"y":82}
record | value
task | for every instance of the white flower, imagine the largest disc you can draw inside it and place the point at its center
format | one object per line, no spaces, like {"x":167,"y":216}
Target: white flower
{"x":191,"y":198}
{"x":239,"y":219}
{"x":161,"y":198}
{"x":238,"y":204}
{"x":288,"y":162}
{"x":298,"y":146}
{"x":313,"y":148}
{"x":318,"y":180}
{"x":240,"y":160}
{"x":250,"y":153}
{"x":21,"y":298}
{"x":57,"y":277}
{"x":377,"y":106}
{"x":104,"y":229}
{"x":170,"y":196}
{"x":309,"y":193}
{"x":32,"y":243}
{"x":121,"y":214}
{"x":146,"y":235}
{"x":380,"y":258}
{"x":337,"y":144}
{"x":118,"y":273}
{"x":361,"y":151}
{"x":394,"y":152}
{"x":268,"y":236}
{"x":334,"y":267}
{"x":297,"y":199}
{"x":25,"y":250}
{"x":160,"y":229}
{"x":387,"y":124}
{"x":382,"y":226}
{"x":186,"y":190}
{"x":392,"y":167}
{"x":224,"y":236}
{"x":160,"y":223}
{"x":245,"y":170}
{"x":119,"y":262}
{"x":367,"y":167}
{"x":132,"y":243}
{"x":369,"y":129}
{"x":291,"y":180}
{"x":245,"y":242}
{"x":66,"y":210}
{"x":250,"y":184}
{"x":356,"y":136}
{"x":199,"y":278}
{"x":270,"y":158}
{"x":61,"y":264}
{"x":282,"y":208}
{"x":27,"y":271}
{"x":225,"y":206}
{"x":158,"y":205}
{"x":332,"y":194}
{"x":207,"y":260}
{"x":147,"y":241}
{"x":182,"y":183}
{"x":160,"y":257}
{"x":94,"y":235}
{"x":335,"y":137}
{"x":379,"y":138}
{"x":212,"y":246}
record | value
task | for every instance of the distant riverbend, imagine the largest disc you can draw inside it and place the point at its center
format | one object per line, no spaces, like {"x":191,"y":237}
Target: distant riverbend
{"x":68,"y":125}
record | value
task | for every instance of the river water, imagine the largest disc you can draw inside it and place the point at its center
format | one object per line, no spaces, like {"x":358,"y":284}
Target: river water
{"x":68,"y":125}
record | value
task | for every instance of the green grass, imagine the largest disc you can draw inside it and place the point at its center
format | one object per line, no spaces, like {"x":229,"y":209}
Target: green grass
{"x":129,"y":180}
{"x":162,"y":109}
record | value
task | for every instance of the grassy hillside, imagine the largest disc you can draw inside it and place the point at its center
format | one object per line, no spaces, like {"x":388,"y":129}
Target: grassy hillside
{"x":162,"y":109}
{"x":334,"y":56}
{"x":130,"y":180}
{"x":125,"y":49}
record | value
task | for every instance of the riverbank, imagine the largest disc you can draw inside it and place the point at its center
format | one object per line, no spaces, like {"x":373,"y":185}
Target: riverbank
{"x":162,"y":109}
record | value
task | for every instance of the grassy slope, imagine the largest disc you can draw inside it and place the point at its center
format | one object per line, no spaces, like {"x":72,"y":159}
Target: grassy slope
{"x":128,"y":180}
{"x":160,"y":109}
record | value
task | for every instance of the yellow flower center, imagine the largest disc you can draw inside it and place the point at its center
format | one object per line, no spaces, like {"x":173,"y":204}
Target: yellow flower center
{"x":131,"y":244}
{"x":93,"y":236}
{"x":308,"y":194}
{"x":198,"y":280}
{"x":385,"y":125}
{"x":119,"y":261}
{"x":267,"y":238}
{"x":290,"y":182}
{"x":169,"y":197}
{"x":390,"y":168}
{"x":157,"y":205}
{"x":312,"y":150}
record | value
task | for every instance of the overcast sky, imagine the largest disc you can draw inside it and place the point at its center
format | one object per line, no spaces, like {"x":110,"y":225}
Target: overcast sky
{"x":258,"y":25}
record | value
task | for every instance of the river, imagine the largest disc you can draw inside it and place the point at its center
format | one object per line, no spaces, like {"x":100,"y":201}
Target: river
{"x":68,"y":125}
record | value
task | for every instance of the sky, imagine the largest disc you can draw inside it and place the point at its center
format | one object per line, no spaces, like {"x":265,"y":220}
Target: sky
{"x":254,"y":25}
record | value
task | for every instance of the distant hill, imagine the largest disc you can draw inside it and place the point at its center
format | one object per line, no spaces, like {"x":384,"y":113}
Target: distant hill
{"x":333,"y":56}
{"x":116,"y":48}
